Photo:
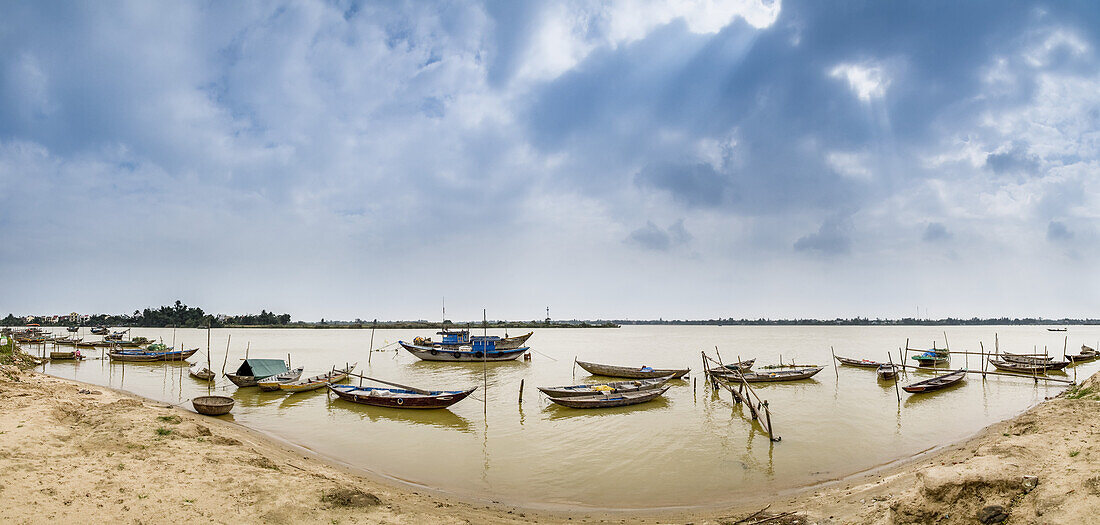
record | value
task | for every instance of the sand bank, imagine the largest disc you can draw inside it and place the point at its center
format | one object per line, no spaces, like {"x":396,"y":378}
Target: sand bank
{"x":72,"y":452}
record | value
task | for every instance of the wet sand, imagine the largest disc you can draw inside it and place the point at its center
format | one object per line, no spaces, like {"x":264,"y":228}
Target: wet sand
{"x":72,"y":452}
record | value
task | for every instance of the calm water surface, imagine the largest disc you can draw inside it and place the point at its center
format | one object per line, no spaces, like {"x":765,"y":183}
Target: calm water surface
{"x":692,"y":447}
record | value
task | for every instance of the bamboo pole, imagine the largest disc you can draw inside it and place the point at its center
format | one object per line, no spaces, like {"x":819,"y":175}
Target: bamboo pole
{"x":835,"y":370}
{"x":521,"y":391}
{"x":1006,"y":374}
{"x":370,"y":349}
{"x":226,"y":360}
{"x":984,"y":360}
{"x":406,"y":387}
{"x":896,"y":391}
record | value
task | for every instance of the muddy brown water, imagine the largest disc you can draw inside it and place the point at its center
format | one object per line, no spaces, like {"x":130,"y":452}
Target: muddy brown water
{"x":690,"y":448}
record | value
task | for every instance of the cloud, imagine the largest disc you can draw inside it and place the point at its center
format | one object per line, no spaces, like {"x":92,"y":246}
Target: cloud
{"x":1057,"y":231}
{"x":653,"y":237}
{"x":832,"y":238}
{"x":695,"y":185}
{"x":867,"y":81}
{"x":936,"y":232}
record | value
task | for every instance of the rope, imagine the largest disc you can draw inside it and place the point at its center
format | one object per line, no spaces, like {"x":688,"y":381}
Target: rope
{"x":543,"y":355}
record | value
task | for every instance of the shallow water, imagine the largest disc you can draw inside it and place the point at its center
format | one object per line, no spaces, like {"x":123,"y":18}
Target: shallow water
{"x":690,"y":448}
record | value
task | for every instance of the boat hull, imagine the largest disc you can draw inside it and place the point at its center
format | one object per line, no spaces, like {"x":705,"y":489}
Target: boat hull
{"x":431,"y":353}
{"x":618,"y":387}
{"x":768,"y":377}
{"x":610,"y":401}
{"x":632,"y":373}
{"x":936,"y":383}
{"x":140,"y":357}
{"x":399,"y":398}
{"x":272,"y":383}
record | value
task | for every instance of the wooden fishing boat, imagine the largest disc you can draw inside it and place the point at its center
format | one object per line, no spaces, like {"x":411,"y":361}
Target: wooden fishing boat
{"x":62,"y":355}
{"x":1028,"y":368}
{"x":271,"y":384}
{"x":641,"y":372}
{"x":1057,"y":329}
{"x":862,"y":363}
{"x":1026,"y":359}
{"x":213,"y":405}
{"x":317,"y":381}
{"x":1087,"y":354}
{"x":933,"y":357}
{"x":451,"y":338}
{"x":253,"y":370}
{"x":936,"y":383}
{"x":610,"y":400}
{"x":887,"y":371}
{"x":477,"y":351}
{"x":201,"y":371}
{"x":68,"y":341}
{"x":73,"y":329}
{"x":85,"y":344}
{"x":145,"y":356}
{"x":794,"y":374}
{"x":616,"y":387}
{"x":399,"y":397}
{"x":743,"y":365}
{"x":99,"y":330}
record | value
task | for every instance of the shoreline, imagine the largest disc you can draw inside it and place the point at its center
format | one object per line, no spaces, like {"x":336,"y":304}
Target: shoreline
{"x":907,"y":490}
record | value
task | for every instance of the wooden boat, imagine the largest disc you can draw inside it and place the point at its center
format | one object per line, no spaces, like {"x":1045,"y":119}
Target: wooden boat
{"x":478,"y":351}
{"x":1087,"y":354}
{"x":1026,"y":359}
{"x":610,"y":400}
{"x":68,"y":341}
{"x":793,"y":374}
{"x":398,"y":397}
{"x":743,"y":365}
{"x":1028,"y":368}
{"x":85,"y":344}
{"x":60,"y":355}
{"x":201,"y":371}
{"x":936,"y":383}
{"x":887,"y":371}
{"x":145,"y":356}
{"x":862,"y":363}
{"x":253,"y":370}
{"x":73,"y":329}
{"x":451,"y":338}
{"x":271,"y":384}
{"x":642,"y":372}
{"x":99,"y":330}
{"x":317,"y":381}
{"x":1057,"y":329}
{"x":616,"y":387}
{"x":933,"y":357}
{"x":213,"y":405}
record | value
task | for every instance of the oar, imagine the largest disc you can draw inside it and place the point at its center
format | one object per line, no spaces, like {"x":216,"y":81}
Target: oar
{"x":417,"y":390}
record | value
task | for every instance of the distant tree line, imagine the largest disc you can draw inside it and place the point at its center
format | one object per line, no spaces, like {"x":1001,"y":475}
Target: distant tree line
{"x":864,"y":321}
{"x":178,"y":314}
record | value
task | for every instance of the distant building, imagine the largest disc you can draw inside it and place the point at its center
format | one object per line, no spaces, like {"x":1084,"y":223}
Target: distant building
{"x":30,"y":318}
{"x":74,"y":317}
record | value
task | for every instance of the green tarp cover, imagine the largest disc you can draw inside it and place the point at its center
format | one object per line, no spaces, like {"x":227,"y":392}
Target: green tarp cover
{"x":261,"y":368}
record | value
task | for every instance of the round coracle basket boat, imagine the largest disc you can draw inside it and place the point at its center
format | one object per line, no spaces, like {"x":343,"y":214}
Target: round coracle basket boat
{"x":213,"y":405}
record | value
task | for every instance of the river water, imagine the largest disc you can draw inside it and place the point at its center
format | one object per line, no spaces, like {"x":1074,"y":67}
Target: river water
{"x":690,"y":448}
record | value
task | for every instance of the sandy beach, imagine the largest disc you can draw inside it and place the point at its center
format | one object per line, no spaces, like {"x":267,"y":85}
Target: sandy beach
{"x":73,"y":452}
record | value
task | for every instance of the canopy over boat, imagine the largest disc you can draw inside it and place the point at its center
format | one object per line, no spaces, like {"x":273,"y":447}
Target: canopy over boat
{"x":261,"y":368}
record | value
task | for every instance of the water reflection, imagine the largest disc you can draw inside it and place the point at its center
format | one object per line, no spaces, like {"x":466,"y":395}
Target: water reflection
{"x":439,"y":418}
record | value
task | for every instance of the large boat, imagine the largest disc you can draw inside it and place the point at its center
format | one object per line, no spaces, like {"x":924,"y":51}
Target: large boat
{"x":155,"y":352}
{"x":476,"y":350}
{"x":450,"y":338}
{"x":399,"y":397}
{"x":1028,"y":368}
{"x":632,"y":372}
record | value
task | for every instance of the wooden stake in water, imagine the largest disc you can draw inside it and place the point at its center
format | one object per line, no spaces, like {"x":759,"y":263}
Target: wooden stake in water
{"x":896,"y":391}
{"x":835,"y":371}
{"x":224,"y":361}
{"x":521,"y":391}
{"x":370,"y":350}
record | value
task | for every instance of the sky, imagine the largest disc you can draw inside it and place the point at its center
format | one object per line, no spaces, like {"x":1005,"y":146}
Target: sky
{"x":610,"y":160}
